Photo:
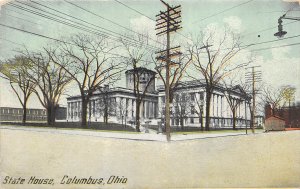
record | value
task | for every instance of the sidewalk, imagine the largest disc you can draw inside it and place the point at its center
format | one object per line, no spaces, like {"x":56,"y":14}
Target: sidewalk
{"x":151,"y":136}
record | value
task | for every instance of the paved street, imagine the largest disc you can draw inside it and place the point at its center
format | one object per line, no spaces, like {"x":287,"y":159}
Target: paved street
{"x":261,"y":160}
{"x":151,"y":136}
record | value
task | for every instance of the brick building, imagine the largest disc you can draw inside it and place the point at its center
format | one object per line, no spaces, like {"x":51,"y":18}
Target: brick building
{"x":16,"y":114}
{"x":291,"y":115}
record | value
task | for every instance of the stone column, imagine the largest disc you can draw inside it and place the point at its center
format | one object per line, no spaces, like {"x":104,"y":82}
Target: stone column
{"x":212,"y":105}
{"x":218,"y":107}
{"x":222,"y":104}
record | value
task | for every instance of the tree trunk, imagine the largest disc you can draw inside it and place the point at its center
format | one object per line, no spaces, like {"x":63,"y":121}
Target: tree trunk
{"x":105,"y":115}
{"x":201,"y":122}
{"x":84,"y":103}
{"x":24,"y":109}
{"x":137,"y":116}
{"x":49,"y":115}
{"x":54,"y":107}
{"x":181,"y":123}
{"x":51,"y":109}
{"x":24,"y":114}
{"x":207,"y":109}
{"x":233,"y":120}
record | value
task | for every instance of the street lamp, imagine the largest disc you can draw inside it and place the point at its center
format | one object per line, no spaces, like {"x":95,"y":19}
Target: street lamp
{"x":280,"y":32}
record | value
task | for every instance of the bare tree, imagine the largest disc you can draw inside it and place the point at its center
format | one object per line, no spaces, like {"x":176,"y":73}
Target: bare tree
{"x":199,"y":101}
{"x":175,"y":74}
{"x":182,"y":107}
{"x":215,"y":64}
{"x":234,"y":102}
{"x":50,"y":79}
{"x":122,"y":110}
{"x":273,"y":97}
{"x":16,"y":72}
{"x":107,"y":104}
{"x":135,"y":60}
{"x":91,"y":65}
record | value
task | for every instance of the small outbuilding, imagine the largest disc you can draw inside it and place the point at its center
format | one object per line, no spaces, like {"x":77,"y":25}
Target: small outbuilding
{"x":274,"y":123}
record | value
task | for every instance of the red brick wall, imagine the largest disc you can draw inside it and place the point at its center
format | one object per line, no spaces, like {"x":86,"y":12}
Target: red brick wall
{"x":290,"y":115}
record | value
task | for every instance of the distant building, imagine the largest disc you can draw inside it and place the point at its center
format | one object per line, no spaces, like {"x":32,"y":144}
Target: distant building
{"x":120,"y":101}
{"x":61,"y":113}
{"x":259,"y":121}
{"x":291,"y":115}
{"x":16,"y":114}
{"x":274,"y":123}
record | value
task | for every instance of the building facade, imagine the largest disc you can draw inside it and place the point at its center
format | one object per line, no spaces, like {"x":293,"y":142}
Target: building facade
{"x":291,"y":114}
{"x":16,"y":114}
{"x":188,"y":107}
{"x":119,"y":102}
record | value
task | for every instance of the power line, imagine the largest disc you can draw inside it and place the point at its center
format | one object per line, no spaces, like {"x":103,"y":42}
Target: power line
{"x":252,"y":44}
{"x":222,"y":11}
{"x":292,"y":44}
{"x":133,"y":9}
{"x":101,"y":33}
{"x":11,"y":41}
{"x":128,"y":38}
{"x":57,"y":40}
{"x":263,"y":42}
{"x":19,"y":18}
{"x":266,"y":29}
{"x":146,"y":16}
{"x":108,"y":20}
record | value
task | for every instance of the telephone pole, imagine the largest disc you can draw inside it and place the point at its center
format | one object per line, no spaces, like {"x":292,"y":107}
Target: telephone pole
{"x":253,"y":77}
{"x":167,"y":22}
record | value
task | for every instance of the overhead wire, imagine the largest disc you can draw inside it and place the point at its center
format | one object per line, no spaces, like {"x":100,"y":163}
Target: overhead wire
{"x":57,"y":40}
{"x":225,"y":10}
{"x":19,"y":18}
{"x":267,"y":41}
{"x":287,"y":45}
{"x":139,"y":12}
{"x":128,"y":29}
{"x":133,"y":9}
{"x":66,"y":21}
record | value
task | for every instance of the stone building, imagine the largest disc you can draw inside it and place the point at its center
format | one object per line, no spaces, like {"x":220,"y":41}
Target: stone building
{"x":118,"y":101}
{"x":194,"y":106}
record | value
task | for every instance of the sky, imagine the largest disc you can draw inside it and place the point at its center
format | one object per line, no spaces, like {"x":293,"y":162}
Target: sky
{"x":254,"y":20}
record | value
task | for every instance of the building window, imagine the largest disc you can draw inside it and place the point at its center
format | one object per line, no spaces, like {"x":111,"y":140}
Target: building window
{"x":183,"y":110}
{"x":163,"y":99}
{"x":94,"y":108}
{"x":192,"y":97}
{"x":163,"y":112}
{"x":201,"y":96}
{"x":183,"y":97}
{"x":176,"y":97}
{"x":192,"y":109}
{"x":192,"y":120}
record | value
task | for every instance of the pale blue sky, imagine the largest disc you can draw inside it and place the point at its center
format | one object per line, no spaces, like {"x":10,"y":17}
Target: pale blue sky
{"x":280,"y":66}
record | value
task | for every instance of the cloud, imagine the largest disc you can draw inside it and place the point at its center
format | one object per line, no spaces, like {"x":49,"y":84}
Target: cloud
{"x":143,"y":25}
{"x":234,"y":23}
{"x":282,"y":69}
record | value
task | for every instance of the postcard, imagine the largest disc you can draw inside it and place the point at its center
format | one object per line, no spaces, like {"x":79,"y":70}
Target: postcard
{"x":149,"y":94}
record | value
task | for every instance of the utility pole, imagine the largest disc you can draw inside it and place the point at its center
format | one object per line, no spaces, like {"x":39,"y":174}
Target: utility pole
{"x":168,"y":22}
{"x":253,"y":77}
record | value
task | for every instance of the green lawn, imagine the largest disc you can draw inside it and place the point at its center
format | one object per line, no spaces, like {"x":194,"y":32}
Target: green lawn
{"x":217,"y":131}
{"x":81,"y":129}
